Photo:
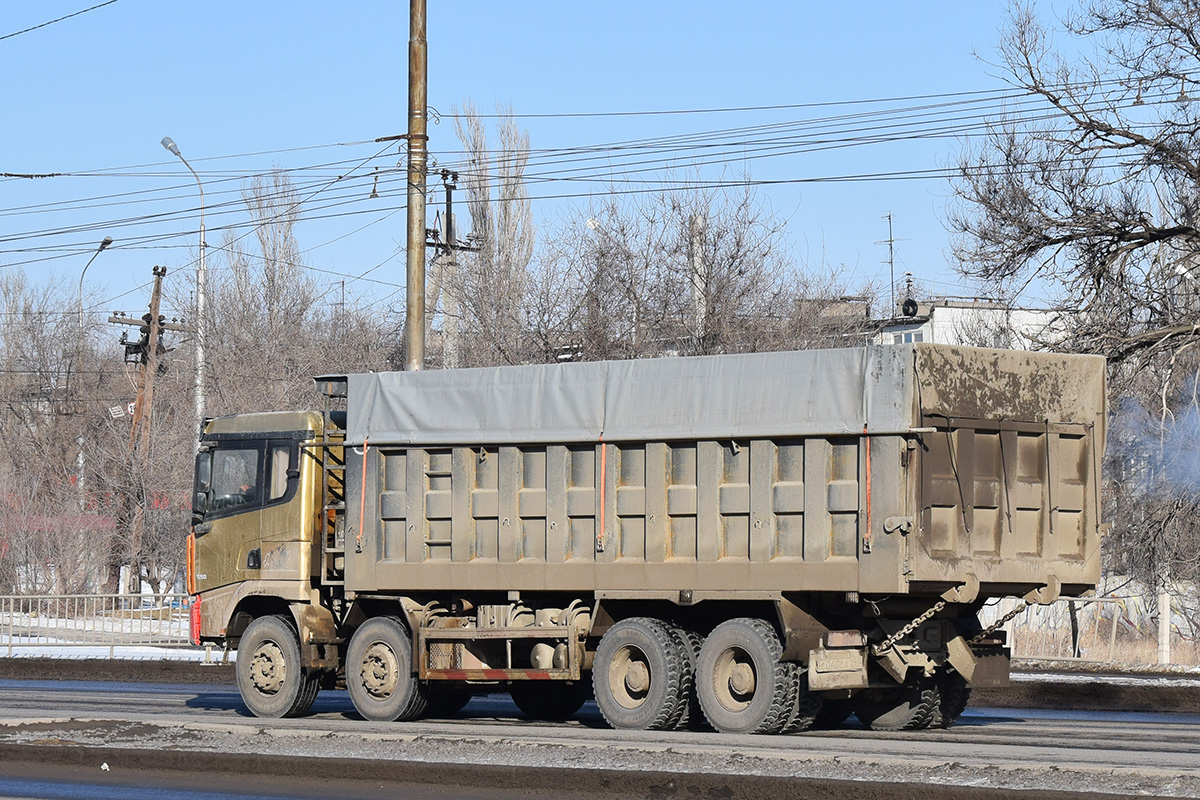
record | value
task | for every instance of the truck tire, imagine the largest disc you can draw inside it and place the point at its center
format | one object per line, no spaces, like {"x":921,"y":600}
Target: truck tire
{"x":833,"y":713}
{"x":269,"y":676}
{"x":904,"y":708}
{"x":742,"y":684}
{"x":549,"y":701}
{"x":692,"y":717}
{"x":637,"y":675}
{"x":446,"y":701}
{"x":806,"y":708}
{"x":954,"y":694}
{"x":379,"y":672}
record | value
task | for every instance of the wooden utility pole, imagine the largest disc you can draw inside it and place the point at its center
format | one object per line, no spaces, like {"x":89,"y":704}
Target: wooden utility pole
{"x":418,"y":66}
{"x":151,"y":327}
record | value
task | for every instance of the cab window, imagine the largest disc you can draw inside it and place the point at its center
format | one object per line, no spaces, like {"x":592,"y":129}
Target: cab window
{"x":235,"y":476}
{"x":280,"y":460}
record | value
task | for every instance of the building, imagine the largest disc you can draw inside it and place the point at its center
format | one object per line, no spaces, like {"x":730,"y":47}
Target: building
{"x":975,"y":322}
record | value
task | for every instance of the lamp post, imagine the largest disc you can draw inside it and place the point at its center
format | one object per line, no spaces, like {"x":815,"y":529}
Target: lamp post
{"x":103,"y":244}
{"x":201,"y":282}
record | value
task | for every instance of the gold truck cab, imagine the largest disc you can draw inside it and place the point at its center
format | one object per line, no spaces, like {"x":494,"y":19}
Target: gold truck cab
{"x":255,"y":516}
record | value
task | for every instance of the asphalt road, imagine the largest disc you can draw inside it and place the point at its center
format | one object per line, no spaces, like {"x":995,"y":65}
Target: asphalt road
{"x":108,"y":739}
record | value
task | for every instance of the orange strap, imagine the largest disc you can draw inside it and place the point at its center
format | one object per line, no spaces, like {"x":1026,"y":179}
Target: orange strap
{"x":362,"y":500}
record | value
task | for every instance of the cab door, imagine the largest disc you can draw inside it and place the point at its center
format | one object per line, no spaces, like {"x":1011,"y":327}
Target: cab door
{"x":229,"y":492}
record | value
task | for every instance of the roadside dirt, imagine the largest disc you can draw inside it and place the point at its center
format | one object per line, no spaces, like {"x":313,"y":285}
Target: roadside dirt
{"x":335,"y":778}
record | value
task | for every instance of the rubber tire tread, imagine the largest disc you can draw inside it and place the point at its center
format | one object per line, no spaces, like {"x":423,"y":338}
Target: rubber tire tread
{"x":955,"y":694}
{"x":549,"y":701}
{"x":922,"y":697}
{"x":654,"y":633}
{"x":692,"y":717}
{"x":806,"y":706}
{"x":411,"y":700}
{"x":782,"y":678}
{"x":300,"y":688}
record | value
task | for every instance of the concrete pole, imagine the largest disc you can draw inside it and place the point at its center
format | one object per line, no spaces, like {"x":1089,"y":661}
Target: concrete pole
{"x":418,"y":65}
{"x":201,"y":284}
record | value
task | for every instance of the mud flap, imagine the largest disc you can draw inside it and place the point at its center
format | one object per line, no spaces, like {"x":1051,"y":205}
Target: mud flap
{"x":986,"y":667}
{"x":839,"y":668}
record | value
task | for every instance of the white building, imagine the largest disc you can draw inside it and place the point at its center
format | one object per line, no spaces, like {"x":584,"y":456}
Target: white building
{"x":976,"y":322}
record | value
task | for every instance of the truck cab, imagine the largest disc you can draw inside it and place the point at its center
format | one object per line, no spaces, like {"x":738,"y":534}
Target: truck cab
{"x":256,"y":512}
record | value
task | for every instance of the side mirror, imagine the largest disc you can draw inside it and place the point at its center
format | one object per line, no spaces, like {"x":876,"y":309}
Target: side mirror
{"x":199,"y":506}
{"x":203,"y":471}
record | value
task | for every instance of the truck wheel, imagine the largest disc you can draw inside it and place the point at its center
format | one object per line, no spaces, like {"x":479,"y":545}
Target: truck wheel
{"x":446,"y":701}
{"x":742,"y":684}
{"x":954,"y":696}
{"x":833,"y":713}
{"x":692,"y":717}
{"x":549,"y":701}
{"x":637,"y":675}
{"x":269,"y":676}
{"x":903,"y":708}
{"x":806,"y":709}
{"x":379,"y":672}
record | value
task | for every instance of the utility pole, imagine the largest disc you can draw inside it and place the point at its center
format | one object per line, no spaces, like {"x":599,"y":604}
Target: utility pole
{"x":418,"y":68}
{"x":445,"y":242}
{"x":891,"y":261}
{"x":145,"y":352}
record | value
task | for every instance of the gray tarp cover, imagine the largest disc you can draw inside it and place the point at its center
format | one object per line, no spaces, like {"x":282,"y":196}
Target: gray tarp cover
{"x":814,"y":392}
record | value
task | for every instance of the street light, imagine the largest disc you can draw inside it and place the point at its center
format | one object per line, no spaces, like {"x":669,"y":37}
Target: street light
{"x":103,"y":244}
{"x":201,"y":281}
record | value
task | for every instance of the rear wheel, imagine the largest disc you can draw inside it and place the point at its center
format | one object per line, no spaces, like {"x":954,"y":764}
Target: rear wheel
{"x":446,"y":701}
{"x":637,"y":675}
{"x":954,"y":694}
{"x":379,"y":672}
{"x":805,"y":710}
{"x":269,"y":676}
{"x":742,"y":685}
{"x":833,"y":713}
{"x":549,"y":701}
{"x":903,"y":708}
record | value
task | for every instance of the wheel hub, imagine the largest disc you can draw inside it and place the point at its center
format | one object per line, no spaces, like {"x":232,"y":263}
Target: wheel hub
{"x":741,"y":679}
{"x":629,"y":676}
{"x":380,"y":670}
{"x":268,"y":670}
{"x":637,"y":677}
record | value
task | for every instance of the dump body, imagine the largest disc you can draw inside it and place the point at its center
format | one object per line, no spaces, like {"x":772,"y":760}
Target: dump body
{"x":906,"y":469}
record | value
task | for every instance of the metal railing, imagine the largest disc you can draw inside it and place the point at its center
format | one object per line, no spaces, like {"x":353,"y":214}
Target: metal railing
{"x":50,"y":622}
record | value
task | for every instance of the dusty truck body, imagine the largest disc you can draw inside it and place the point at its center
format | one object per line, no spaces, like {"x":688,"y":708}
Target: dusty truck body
{"x":770,"y":541}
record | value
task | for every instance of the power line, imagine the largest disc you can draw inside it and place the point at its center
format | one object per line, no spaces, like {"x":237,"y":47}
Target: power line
{"x":60,"y":19}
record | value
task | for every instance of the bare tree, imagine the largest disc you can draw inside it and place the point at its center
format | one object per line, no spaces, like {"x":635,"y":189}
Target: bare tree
{"x":484,"y":289}
{"x":1096,"y":199}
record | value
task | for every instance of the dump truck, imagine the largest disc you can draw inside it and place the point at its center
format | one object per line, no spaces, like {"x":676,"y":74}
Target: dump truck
{"x":760,"y":542}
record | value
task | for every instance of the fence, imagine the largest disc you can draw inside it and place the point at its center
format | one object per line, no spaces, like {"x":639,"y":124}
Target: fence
{"x":48,"y":622}
{"x":1104,"y":630}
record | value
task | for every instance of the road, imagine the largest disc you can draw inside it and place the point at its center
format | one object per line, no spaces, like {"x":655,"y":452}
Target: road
{"x":198,"y":741}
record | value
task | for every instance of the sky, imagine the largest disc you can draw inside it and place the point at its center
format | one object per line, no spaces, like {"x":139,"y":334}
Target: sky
{"x":243,"y":87}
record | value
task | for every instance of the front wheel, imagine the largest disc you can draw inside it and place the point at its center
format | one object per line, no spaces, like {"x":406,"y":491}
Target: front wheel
{"x":379,"y":672}
{"x":269,"y":676}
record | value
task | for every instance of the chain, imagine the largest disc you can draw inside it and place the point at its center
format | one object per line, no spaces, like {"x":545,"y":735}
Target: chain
{"x":909,"y":628}
{"x":989,"y":630}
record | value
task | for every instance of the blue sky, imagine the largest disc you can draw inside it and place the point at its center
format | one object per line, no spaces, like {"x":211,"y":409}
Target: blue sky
{"x":98,"y":92}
